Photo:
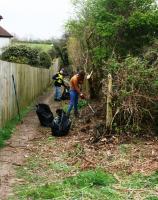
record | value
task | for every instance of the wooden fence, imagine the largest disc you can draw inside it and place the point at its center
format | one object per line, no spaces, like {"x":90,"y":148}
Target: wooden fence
{"x":30,"y":82}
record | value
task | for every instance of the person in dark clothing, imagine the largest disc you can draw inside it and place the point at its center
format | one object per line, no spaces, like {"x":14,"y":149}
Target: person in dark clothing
{"x":58,"y":82}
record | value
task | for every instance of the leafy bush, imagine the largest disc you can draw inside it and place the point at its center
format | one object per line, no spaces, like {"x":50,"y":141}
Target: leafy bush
{"x":150,"y":54}
{"x":26,"y":55}
{"x":21,"y":54}
{"x":45,"y":59}
{"x":82,"y":103}
{"x":135,"y":89}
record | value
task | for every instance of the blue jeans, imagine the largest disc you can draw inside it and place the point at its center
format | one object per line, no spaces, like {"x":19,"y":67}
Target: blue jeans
{"x":57,"y":94}
{"x":73,"y":101}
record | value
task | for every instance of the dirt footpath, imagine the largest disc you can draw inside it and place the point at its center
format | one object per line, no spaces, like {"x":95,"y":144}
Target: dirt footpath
{"x":18,"y":147}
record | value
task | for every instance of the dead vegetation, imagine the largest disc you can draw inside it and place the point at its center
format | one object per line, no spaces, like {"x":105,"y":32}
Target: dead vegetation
{"x":41,"y":157}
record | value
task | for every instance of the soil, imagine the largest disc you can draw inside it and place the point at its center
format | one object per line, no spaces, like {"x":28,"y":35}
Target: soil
{"x":83,"y":145}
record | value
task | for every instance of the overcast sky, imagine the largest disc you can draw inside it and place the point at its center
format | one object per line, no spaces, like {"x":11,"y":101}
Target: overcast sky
{"x":42,"y":19}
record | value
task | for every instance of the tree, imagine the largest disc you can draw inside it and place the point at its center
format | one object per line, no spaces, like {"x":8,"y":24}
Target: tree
{"x":112,"y":28}
{"x":60,"y":47}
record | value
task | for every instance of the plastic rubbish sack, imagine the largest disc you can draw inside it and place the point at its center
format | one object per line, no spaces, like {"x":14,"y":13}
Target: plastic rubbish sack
{"x":44,"y":114}
{"x":66,"y":94}
{"x":61,"y":124}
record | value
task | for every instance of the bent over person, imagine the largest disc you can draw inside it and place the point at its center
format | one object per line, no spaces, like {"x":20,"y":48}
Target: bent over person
{"x":58,"y":82}
{"x":75,"y":92}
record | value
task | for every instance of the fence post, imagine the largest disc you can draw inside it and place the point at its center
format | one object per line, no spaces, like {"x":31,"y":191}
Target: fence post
{"x":109,"y":104}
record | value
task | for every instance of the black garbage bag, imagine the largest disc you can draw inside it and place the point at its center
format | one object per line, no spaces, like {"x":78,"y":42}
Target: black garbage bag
{"x":66,"y":94}
{"x":44,"y":114}
{"x":61,"y":124}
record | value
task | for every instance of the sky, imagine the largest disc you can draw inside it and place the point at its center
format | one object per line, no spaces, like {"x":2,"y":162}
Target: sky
{"x":35,"y":19}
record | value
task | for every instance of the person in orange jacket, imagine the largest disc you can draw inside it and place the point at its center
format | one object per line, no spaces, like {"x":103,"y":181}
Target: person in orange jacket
{"x":75,"y":92}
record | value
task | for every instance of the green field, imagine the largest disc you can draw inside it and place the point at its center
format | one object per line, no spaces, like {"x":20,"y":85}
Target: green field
{"x":42,"y":46}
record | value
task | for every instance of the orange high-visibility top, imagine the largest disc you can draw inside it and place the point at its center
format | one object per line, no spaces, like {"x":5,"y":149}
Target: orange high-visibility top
{"x":74,"y":83}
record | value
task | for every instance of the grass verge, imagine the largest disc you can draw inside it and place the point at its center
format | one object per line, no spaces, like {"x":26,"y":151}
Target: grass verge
{"x":91,"y":184}
{"x":9,"y":128}
{"x":46,"y":179}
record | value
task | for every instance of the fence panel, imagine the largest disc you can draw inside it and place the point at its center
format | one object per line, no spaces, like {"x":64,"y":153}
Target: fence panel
{"x":30,"y":82}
